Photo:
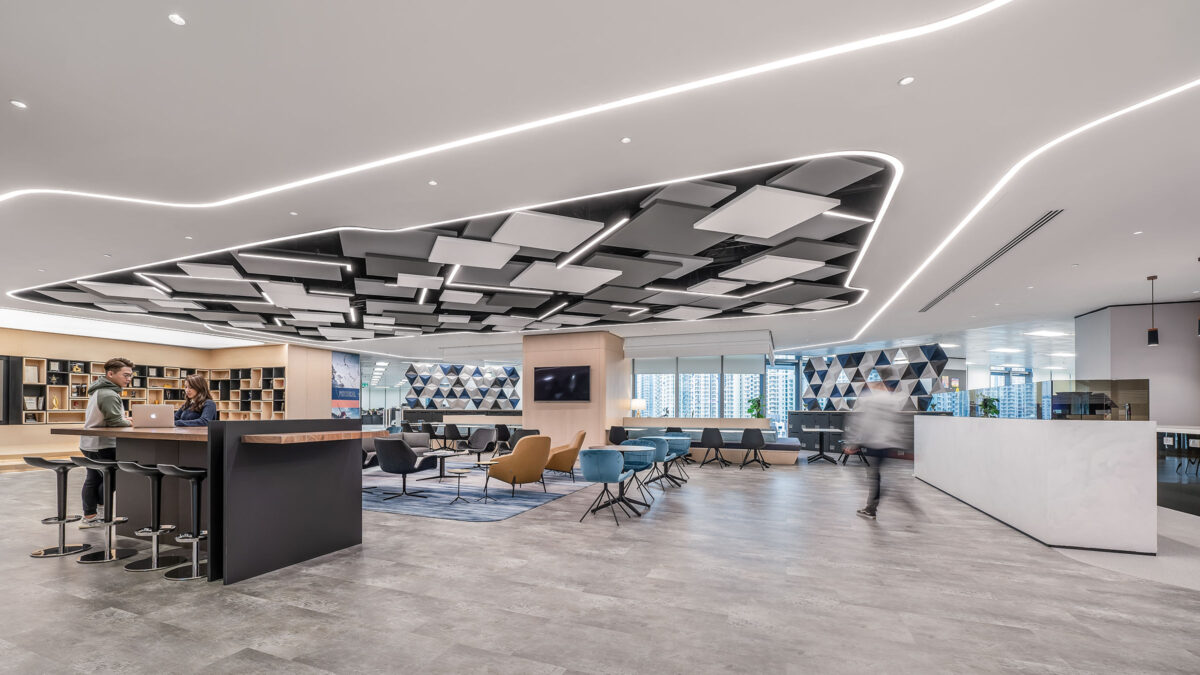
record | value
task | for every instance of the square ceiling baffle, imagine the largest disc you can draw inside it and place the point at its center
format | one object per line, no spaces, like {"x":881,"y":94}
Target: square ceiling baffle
{"x":694,"y":192}
{"x":209,"y":270}
{"x":716,"y":286}
{"x":471,"y":253}
{"x":570,"y":279}
{"x":292,"y":266}
{"x":688,"y":263}
{"x":765,"y":212}
{"x":770,"y":268}
{"x":666,"y":227}
{"x":635,"y":272}
{"x":545,"y":231}
{"x":824,"y":176}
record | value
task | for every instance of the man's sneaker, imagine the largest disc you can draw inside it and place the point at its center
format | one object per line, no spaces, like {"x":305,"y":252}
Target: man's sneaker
{"x":88,"y":523}
{"x":862,"y":512}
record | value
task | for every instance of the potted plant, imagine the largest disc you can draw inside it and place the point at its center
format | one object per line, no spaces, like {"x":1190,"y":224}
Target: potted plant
{"x":755,"y":407}
{"x":990,"y":406}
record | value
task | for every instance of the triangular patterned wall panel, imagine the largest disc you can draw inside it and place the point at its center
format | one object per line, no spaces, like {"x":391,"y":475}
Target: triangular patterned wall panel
{"x":836,"y":383}
{"x":451,"y":386}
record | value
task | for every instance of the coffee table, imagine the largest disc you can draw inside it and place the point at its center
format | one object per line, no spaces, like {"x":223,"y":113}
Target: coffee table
{"x":441,"y":455}
{"x":459,"y":474}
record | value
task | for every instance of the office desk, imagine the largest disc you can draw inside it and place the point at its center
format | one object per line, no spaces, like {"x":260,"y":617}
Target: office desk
{"x":277,"y":492}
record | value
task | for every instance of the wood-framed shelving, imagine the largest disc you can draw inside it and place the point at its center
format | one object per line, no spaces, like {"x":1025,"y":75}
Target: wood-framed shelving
{"x":54,"y":391}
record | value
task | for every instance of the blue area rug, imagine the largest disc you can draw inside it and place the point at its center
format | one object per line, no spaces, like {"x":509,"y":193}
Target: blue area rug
{"x":439,"y":494}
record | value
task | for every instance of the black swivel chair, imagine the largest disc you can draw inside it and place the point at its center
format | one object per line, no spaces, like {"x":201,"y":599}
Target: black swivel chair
{"x":752,"y":440}
{"x":406,"y":427}
{"x":482,"y":440}
{"x":451,"y":436}
{"x":517,"y":436}
{"x":395,"y":456}
{"x":502,"y":436}
{"x":427,"y":428}
{"x":711,"y":439}
{"x":617,"y":435}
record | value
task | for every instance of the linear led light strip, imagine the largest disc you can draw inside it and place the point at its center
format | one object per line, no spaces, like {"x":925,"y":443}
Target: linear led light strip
{"x":543,"y":317}
{"x":451,"y":283}
{"x":591,"y":243}
{"x":808,"y":57}
{"x":991,"y":194}
{"x":635,"y":313}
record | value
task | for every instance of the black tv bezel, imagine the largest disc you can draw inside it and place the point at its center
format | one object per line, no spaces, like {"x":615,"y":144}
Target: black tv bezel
{"x":585,"y":368}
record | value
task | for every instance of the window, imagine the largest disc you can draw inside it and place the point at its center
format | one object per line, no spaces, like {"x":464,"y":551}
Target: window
{"x":743,"y":381}
{"x":781,"y":395}
{"x":654,"y":383}
{"x":699,"y":386}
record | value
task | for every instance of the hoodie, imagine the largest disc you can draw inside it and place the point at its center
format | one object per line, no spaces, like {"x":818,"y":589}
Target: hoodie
{"x":104,"y":410}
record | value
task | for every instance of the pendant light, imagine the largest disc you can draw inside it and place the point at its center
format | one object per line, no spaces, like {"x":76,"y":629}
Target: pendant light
{"x":1152,"y":334}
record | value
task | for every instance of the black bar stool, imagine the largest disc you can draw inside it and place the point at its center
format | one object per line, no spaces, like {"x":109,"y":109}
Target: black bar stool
{"x":108,"y":468}
{"x":199,"y":568}
{"x":60,"y":467}
{"x":155,"y":562}
{"x":711,"y":439}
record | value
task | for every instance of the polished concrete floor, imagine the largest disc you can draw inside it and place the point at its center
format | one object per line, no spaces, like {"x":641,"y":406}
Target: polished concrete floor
{"x":739,"y":571}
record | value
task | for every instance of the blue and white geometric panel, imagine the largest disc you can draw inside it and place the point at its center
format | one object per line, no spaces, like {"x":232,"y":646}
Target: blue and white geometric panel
{"x":445,"y":386}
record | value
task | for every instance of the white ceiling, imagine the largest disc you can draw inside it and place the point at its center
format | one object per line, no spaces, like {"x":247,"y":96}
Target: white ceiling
{"x":248,"y":96}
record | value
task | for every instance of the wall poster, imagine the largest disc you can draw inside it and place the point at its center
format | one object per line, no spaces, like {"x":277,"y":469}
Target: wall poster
{"x":346,"y":380}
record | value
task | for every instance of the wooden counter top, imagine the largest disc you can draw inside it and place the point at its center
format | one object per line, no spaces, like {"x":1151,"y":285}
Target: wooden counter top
{"x":306,"y":437}
{"x":195,"y":434}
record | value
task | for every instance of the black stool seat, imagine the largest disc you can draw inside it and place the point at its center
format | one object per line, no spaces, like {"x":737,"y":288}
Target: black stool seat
{"x":110,"y":553}
{"x":198,"y":569}
{"x":60,"y":467}
{"x":156,"y":529}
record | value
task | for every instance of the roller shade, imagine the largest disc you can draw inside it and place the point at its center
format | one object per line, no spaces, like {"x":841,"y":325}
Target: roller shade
{"x":657,"y":366}
{"x":745,"y":364}
{"x":699,"y":364}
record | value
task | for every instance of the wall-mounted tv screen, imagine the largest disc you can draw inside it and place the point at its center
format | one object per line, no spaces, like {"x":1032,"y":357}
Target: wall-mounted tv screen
{"x":562,"y":383}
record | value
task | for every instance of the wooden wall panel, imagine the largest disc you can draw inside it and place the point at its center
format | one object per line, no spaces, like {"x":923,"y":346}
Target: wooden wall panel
{"x":604,"y":353}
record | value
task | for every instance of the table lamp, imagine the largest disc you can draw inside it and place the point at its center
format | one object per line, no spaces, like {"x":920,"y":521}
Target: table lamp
{"x":637,"y":405}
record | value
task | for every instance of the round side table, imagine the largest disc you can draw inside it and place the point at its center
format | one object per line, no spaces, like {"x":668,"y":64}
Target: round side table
{"x":458,"y":474}
{"x":485,"y":465}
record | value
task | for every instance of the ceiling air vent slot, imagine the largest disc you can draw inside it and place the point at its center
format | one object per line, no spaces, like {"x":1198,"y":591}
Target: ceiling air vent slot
{"x":1037,"y":225}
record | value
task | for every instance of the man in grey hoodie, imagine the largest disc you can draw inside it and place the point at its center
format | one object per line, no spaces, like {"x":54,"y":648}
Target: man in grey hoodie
{"x":104,"y":410}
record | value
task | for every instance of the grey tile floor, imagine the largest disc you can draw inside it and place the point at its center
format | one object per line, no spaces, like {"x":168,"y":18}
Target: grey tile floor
{"x":739,"y":571}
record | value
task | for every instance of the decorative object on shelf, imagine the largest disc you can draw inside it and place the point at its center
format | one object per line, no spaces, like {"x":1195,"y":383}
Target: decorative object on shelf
{"x":54,"y":365}
{"x":32,"y":375}
{"x":990,"y":406}
{"x":54,"y":403}
{"x":1152,"y":334}
{"x":637,"y":406}
{"x":754,"y":407}
{"x":31,"y":418}
{"x":31,"y":403}
{"x":76,"y":367}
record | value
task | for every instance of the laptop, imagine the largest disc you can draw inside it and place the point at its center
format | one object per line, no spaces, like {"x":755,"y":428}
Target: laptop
{"x":153,"y":415}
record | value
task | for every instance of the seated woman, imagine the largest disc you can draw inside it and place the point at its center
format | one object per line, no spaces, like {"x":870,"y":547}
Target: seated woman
{"x":198,"y":410}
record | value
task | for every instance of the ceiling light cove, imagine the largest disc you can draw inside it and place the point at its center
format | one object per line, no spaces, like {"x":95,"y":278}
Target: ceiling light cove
{"x":637,"y":99}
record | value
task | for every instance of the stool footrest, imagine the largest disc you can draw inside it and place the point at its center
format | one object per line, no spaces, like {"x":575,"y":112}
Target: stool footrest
{"x":188,"y":537}
{"x":162,"y":529}
{"x":55,"y":520}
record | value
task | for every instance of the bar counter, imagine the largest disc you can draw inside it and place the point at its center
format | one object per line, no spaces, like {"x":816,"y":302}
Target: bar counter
{"x":277,"y":492}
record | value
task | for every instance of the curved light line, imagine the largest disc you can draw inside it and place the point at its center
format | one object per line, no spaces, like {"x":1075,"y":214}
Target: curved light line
{"x":991,"y":194}
{"x":857,"y":45}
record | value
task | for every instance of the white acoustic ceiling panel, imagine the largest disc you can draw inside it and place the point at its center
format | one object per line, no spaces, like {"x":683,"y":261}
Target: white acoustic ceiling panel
{"x":123,"y":290}
{"x":386,"y":320}
{"x":824,"y":176}
{"x":71,"y":296}
{"x":203,"y":285}
{"x":472,"y":253}
{"x":570,"y":279}
{"x":211,"y":271}
{"x":319,"y":317}
{"x":694,"y":192}
{"x":464,"y":297}
{"x":297,"y":265}
{"x":418,"y":281}
{"x":716,"y":286}
{"x":770,"y":268}
{"x":121,"y":307}
{"x":247,"y":324}
{"x":687,"y":313}
{"x":507,"y":321}
{"x":545,"y":231}
{"x":765,"y":212}
{"x":293,"y":296}
{"x":823,"y":226}
{"x":344,"y":333}
{"x":575,"y":319}
{"x":454,"y":318}
{"x":178,"y":304}
{"x":821,"y":304}
{"x":543,"y":325}
{"x":766,"y":308}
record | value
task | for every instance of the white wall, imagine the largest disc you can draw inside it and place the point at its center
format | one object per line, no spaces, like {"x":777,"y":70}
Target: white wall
{"x":1089,"y":484}
{"x":1111,"y":344}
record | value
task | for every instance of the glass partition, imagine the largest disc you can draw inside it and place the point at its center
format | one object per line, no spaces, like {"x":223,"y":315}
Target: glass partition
{"x":1052,"y":399}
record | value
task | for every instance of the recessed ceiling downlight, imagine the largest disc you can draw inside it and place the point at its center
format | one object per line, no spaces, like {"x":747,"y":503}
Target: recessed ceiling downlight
{"x":433,"y":183}
{"x":20,"y":105}
{"x":626,"y":140}
{"x":906,"y":80}
{"x":176,"y":19}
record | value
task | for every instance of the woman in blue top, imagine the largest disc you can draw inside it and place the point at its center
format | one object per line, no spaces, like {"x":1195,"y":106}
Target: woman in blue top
{"x":198,"y":410}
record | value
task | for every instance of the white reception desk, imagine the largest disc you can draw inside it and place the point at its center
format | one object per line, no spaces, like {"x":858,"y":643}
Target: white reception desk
{"x":1068,"y":483}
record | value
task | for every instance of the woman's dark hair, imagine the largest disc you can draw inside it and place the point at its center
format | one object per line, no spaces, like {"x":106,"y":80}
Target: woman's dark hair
{"x":200,"y":384}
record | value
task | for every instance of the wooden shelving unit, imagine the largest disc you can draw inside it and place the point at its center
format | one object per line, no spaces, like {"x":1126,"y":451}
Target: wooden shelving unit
{"x":54,"y":391}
